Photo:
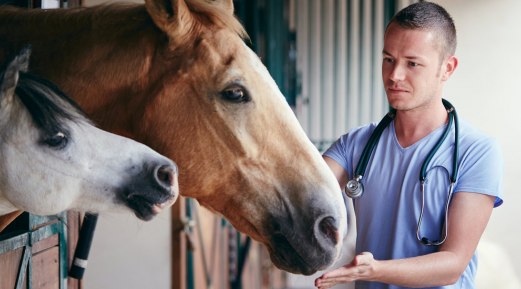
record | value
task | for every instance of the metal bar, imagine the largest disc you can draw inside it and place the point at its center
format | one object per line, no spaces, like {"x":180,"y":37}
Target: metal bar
{"x":13,"y":243}
{"x":190,"y":283}
{"x":232,"y":254}
{"x":22,"y":270}
{"x":81,"y":255}
{"x":206,"y":267}
{"x":243,"y":254}
{"x":349,"y":72}
{"x":353,"y":109}
{"x":326,"y":69}
{"x":44,"y":232}
{"x":63,"y":249}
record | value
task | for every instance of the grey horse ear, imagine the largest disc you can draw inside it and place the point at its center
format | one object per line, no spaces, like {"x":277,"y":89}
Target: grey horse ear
{"x":11,"y":75}
{"x":23,"y":58}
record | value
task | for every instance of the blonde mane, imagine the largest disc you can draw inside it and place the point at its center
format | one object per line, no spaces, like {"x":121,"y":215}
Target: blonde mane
{"x":205,"y":11}
{"x":217,"y":15}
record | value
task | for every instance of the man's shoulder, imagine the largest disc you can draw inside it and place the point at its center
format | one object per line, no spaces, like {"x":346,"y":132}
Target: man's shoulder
{"x":473,"y":136}
{"x":362,"y":131}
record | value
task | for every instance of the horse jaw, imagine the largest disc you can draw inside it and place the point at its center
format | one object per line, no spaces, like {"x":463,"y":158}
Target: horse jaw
{"x":253,"y":163}
{"x":122,"y":174}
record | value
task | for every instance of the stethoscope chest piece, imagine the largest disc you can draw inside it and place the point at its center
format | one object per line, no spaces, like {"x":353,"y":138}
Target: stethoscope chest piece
{"x":354,"y":187}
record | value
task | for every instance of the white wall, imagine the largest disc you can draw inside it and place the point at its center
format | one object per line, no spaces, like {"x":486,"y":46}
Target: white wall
{"x":129,"y":253}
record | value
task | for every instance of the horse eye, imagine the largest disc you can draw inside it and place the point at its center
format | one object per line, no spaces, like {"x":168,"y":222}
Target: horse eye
{"x":235,"y":94}
{"x":57,"y":141}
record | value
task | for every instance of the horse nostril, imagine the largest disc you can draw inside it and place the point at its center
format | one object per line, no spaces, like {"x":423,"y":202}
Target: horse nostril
{"x":165,"y":175}
{"x":329,"y":229}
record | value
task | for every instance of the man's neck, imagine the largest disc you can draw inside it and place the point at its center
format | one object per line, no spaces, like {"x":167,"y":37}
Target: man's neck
{"x":413,"y":125}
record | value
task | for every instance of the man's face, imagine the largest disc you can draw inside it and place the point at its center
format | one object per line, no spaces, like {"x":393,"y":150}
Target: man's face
{"x":413,"y":71}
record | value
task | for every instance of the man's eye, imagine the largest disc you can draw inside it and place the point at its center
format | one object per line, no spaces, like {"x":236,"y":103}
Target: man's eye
{"x":413,"y":64}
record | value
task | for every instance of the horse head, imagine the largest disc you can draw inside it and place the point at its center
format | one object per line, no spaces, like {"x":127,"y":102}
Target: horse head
{"x":242,"y":150}
{"x":53,"y":159}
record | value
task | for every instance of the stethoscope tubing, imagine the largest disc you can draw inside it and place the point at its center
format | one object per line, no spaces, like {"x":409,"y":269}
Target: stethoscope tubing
{"x":354,"y":187}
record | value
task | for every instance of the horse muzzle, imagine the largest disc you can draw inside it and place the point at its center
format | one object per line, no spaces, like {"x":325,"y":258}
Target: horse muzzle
{"x":152,"y":190}
{"x":306,"y":251}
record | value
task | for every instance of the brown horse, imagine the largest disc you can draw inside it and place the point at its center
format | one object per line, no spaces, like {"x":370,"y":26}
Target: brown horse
{"x":177,"y":76}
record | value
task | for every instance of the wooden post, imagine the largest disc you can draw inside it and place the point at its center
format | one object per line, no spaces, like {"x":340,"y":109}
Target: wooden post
{"x":178,"y":245}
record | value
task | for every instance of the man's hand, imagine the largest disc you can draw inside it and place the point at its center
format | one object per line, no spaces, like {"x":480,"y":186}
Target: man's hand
{"x":361,"y":268}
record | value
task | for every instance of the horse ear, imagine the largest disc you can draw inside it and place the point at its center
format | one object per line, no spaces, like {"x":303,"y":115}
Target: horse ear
{"x":22,"y":60}
{"x":11,"y":74}
{"x":171,"y":16}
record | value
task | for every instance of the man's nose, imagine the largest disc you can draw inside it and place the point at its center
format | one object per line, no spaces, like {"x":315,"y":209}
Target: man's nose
{"x":397,"y":73}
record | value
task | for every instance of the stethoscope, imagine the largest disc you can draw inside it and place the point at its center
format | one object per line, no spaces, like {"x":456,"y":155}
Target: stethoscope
{"x":355,"y":188}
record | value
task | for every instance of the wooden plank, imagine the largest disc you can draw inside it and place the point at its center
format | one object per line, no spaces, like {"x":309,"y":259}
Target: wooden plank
{"x":45,"y":244}
{"x":13,"y":243}
{"x":46,"y":269}
{"x":9,"y":263}
{"x":73,"y":229}
{"x":178,"y":245}
{"x":22,"y":268}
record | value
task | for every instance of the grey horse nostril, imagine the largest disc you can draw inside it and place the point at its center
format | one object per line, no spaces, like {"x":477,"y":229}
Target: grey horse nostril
{"x":165,"y":175}
{"x":328,"y":228}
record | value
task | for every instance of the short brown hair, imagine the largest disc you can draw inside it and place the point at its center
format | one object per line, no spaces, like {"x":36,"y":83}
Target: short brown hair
{"x":429,"y":16}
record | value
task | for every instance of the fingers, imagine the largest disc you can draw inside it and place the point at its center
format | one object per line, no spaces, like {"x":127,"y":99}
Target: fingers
{"x":348,"y":273}
{"x":359,"y":269}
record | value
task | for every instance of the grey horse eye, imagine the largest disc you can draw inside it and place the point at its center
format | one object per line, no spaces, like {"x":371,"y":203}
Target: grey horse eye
{"x":57,"y":141}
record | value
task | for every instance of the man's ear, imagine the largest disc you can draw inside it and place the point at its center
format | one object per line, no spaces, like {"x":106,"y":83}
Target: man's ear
{"x":449,"y":66}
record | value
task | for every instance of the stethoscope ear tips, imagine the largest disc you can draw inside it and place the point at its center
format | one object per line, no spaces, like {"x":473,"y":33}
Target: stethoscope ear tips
{"x":354,"y":188}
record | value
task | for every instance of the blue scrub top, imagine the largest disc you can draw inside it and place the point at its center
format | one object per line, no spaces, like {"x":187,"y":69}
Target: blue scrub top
{"x":388,"y":211}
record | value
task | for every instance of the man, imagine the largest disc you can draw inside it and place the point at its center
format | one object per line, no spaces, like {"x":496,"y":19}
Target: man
{"x":401,"y":237}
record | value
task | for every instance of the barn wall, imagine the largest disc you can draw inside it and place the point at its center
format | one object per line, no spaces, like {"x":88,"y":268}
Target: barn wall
{"x":339,"y":43}
{"x":128,"y":253}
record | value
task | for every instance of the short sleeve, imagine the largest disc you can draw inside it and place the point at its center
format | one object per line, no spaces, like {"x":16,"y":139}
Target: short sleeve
{"x":481,"y":169}
{"x":338,"y":151}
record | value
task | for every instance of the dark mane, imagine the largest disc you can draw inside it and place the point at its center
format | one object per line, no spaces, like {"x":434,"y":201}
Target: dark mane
{"x":46,"y":103}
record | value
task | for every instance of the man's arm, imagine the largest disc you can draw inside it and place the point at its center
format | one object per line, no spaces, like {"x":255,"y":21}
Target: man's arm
{"x":338,"y":171}
{"x":468,"y":216}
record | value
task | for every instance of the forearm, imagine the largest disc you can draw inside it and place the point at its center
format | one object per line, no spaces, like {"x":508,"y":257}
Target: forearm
{"x":445,"y":266}
{"x":436,"y":269}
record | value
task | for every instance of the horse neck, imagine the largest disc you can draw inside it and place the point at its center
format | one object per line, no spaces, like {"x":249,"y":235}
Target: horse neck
{"x":105,"y":68}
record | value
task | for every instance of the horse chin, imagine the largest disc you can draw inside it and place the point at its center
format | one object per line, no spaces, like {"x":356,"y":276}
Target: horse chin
{"x":288,"y":252}
{"x":286,"y":257}
{"x":146,"y":210}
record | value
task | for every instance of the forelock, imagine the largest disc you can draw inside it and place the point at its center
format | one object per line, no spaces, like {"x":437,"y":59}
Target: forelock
{"x":48,"y":106}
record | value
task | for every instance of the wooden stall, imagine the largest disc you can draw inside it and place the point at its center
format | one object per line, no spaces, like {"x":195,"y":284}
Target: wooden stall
{"x":35,"y":252}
